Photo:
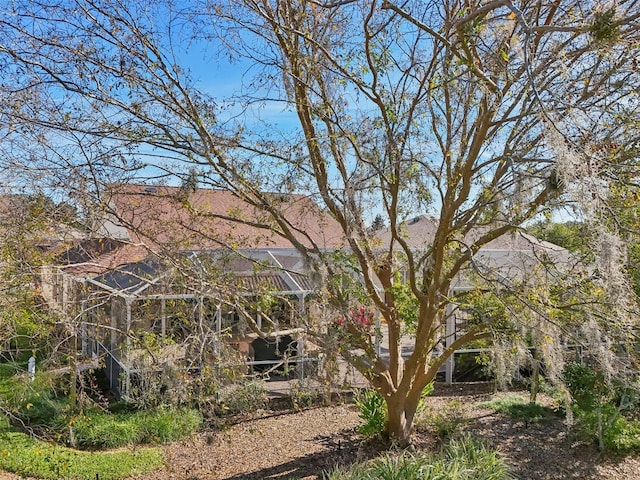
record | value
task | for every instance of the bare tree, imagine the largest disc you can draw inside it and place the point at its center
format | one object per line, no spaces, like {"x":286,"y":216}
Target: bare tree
{"x":484,"y":115}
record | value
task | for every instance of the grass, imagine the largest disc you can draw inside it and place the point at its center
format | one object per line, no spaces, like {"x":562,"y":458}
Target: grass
{"x":28,"y":457}
{"x":105,"y":430}
{"x":44,"y":407}
{"x":8,"y":370}
{"x":463,"y":459}
{"x":519,"y":409}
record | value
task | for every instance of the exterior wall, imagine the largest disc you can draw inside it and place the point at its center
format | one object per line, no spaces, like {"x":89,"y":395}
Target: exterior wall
{"x":112,"y":228}
{"x":61,"y":291}
{"x":51,"y":286}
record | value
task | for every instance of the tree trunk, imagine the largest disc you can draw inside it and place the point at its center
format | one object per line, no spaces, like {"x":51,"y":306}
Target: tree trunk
{"x":535,"y":383}
{"x":535,"y":377}
{"x":401,"y":413}
{"x":73,"y":381}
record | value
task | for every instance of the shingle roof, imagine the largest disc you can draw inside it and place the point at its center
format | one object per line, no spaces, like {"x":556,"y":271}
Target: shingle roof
{"x":81,"y":261}
{"x":164,"y":217}
{"x":513,"y":255}
{"x":420,"y":231}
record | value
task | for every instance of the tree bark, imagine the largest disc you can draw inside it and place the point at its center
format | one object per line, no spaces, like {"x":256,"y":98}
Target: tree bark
{"x":401,"y":410}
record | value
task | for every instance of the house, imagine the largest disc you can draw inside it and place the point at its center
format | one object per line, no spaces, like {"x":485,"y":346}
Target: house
{"x":513,"y":258}
{"x":176,"y":269}
{"x":173,"y":269}
{"x":506,"y":258}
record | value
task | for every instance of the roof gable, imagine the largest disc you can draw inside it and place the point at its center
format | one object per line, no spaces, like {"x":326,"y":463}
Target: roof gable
{"x":514,"y":255}
{"x":420,"y":231}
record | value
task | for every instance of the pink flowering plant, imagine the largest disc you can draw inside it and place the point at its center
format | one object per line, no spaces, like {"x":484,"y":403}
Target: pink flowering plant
{"x":361,"y":319}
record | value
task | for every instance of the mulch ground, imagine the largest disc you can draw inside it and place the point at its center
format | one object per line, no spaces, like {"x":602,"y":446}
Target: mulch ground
{"x":301,"y":445}
{"x":277,"y":445}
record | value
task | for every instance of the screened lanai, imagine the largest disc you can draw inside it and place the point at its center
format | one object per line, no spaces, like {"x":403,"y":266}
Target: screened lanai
{"x":189,"y":309}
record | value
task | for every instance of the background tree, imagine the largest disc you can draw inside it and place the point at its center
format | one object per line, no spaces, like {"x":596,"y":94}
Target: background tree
{"x":30,"y":225}
{"x":484,"y":115}
{"x":570,"y":235}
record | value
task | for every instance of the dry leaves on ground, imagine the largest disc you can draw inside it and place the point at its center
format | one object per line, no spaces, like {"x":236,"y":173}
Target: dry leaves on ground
{"x":301,"y":445}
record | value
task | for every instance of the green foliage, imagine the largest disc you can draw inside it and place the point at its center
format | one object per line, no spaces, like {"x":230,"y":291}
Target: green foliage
{"x":407,"y":305}
{"x":377,"y":224}
{"x":346,"y":284}
{"x":41,"y":405}
{"x":586,"y":385}
{"x":243,"y":397}
{"x":463,"y":459}
{"x":373,"y":413}
{"x":485,"y":308}
{"x":623,"y":435}
{"x":519,"y":409}
{"x":26,"y":329}
{"x":604,"y":29}
{"x":600,"y":408}
{"x":28,"y":457}
{"x":305,"y":395}
{"x":446,"y":421}
{"x":161,"y":425}
{"x":612,"y":431}
{"x":8,"y":370}
{"x":426,"y":391}
{"x":37,"y":402}
{"x":569,"y":235}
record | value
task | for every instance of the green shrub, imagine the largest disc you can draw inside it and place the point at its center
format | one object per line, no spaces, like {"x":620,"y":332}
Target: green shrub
{"x":623,"y":436}
{"x":31,"y":332}
{"x":611,"y":430}
{"x":586,"y":385}
{"x":305,"y":395}
{"x":10,"y":369}
{"x":247,"y":396}
{"x":38,"y":405}
{"x":448,"y":420}
{"x":464,"y":459}
{"x":373,"y":413}
{"x":600,"y":407}
{"x":35,"y":402}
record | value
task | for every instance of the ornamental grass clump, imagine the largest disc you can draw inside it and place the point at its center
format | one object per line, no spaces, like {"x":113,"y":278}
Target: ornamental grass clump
{"x":461,"y":459}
